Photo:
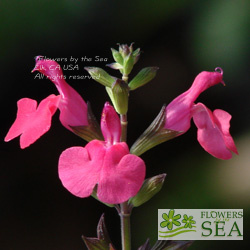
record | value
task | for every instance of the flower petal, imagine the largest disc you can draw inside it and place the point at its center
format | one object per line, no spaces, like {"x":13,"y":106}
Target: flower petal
{"x":222,"y":119}
{"x":72,"y":107}
{"x":79,"y":168}
{"x":122,"y":175}
{"x":119,"y":175}
{"x":32,"y":121}
{"x":211,"y":131}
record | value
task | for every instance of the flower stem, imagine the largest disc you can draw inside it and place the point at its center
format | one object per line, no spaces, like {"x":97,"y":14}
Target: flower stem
{"x":125,"y":211}
{"x":125,"y":226}
{"x":124,"y":124}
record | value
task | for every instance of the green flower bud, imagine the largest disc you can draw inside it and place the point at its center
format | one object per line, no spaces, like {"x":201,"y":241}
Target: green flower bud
{"x":150,"y":188}
{"x":118,"y":94}
{"x":101,"y":76}
{"x":124,"y":50}
{"x":143,"y":77}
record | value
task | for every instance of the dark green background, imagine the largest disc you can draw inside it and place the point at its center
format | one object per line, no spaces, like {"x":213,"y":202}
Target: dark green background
{"x":182,"y":38}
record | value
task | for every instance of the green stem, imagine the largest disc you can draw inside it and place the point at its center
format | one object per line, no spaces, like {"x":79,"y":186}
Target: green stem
{"x":125,"y":226}
{"x":125,"y":211}
{"x":124,"y":124}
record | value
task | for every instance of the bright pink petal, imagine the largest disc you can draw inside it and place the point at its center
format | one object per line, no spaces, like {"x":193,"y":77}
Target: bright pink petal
{"x":79,"y":168}
{"x":178,"y":112}
{"x":32,"y":121}
{"x":211,"y":131}
{"x":122,"y":175}
{"x":72,"y":107}
{"x":222,"y":119}
{"x":119,"y":175}
{"x":110,"y":125}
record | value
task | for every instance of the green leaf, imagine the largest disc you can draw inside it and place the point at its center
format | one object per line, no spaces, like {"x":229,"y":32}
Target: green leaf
{"x":143,"y":77}
{"x":102,"y":242}
{"x":150,"y":188}
{"x":115,"y":66}
{"x":101,"y":76}
{"x":117,"y":56}
{"x":128,"y":64}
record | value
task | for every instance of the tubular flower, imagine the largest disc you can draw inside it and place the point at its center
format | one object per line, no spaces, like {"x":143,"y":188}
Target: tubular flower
{"x":212,"y":127}
{"x":32,"y":121}
{"x":108,"y":164}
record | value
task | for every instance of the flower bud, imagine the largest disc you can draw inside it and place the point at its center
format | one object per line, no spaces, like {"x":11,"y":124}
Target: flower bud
{"x":124,"y":50}
{"x":119,"y":96}
{"x":125,"y":59}
{"x":110,"y":125}
{"x":150,"y":188}
{"x":143,"y":77}
{"x":101,"y":76}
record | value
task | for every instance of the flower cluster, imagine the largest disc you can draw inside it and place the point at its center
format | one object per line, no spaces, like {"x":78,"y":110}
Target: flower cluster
{"x":213,"y":127}
{"x":107,"y":165}
{"x":33,"y":121}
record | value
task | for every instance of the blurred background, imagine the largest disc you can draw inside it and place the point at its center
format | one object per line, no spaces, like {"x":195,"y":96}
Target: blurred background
{"x":182,"y":38}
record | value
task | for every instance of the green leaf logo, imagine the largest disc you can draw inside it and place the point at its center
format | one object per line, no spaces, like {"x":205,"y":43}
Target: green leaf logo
{"x":170,"y":220}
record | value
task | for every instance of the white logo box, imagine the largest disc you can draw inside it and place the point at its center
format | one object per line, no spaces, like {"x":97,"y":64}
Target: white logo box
{"x":200,"y":224}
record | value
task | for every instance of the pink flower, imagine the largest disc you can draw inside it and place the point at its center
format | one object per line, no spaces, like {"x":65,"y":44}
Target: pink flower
{"x":32,"y":121}
{"x":108,"y":164}
{"x":211,"y":127}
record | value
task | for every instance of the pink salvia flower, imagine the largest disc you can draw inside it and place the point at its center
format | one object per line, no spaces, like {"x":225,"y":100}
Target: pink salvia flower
{"x":32,"y":121}
{"x":73,"y":109}
{"x":213,"y":128}
{"x":108,"y":164}
{"x":178,"y":112}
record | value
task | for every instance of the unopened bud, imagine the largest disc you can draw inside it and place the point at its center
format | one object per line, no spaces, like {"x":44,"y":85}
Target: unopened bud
{"x":118,"y":94}
{"x":124,"y":50}
{"x":150,"y":188}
